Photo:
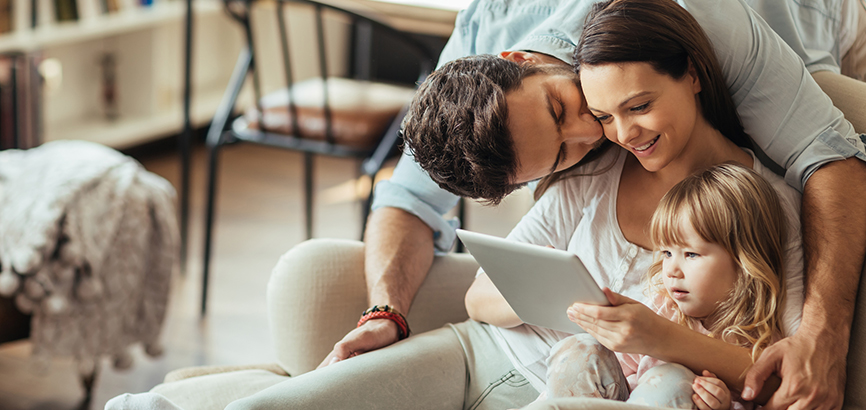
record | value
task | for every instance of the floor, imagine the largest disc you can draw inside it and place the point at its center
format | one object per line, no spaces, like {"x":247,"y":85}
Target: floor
{"x":259,"y":218}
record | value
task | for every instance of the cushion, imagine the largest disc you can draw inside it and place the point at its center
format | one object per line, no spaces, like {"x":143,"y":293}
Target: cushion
{"x":360,"y":110}
{"x":847,"y":95}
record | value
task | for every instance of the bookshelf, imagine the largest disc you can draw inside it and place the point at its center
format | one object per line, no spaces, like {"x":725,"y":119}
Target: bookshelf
{"x":130,"y":131}
{"x":100,"y":26}
{"x":145,"y":43}
{"x":145,"y":46}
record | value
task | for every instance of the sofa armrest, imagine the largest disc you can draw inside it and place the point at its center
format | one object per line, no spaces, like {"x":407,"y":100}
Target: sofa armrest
{"x":847,"y":94}
{"x":317,"y":292}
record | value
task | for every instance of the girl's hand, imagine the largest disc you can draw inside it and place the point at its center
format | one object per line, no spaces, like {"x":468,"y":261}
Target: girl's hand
{"x":627,"y":326}
{"x":711,"y":393}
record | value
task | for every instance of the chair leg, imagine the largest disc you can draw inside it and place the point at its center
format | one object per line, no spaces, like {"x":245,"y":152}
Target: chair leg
{"x":183,"y":202}
{"x":186,"y":139}
{"x":215,"y":137}
{"x":209,"y":220}
{"x":308,"y":193}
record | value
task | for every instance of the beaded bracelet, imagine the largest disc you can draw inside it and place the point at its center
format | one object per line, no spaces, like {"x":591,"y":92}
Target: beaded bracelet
{"x":387,"y":312}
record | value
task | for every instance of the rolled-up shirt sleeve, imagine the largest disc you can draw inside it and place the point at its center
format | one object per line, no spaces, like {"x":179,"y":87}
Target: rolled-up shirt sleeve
{"x":781,"y":106}
{"x":412,"y":190}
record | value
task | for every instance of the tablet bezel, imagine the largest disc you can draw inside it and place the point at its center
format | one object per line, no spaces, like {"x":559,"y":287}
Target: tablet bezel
{"x":558,"y":279}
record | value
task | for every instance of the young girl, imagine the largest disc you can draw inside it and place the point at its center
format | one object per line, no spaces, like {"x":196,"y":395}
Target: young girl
{"x":719,"y":237}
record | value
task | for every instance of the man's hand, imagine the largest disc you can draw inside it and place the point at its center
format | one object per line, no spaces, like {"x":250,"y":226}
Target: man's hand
{"x":813,"y":376}
{"x":398,"y":254}
{"x":711,"y":393}
{"x":627,"y":326}
{"x":372,"y":335}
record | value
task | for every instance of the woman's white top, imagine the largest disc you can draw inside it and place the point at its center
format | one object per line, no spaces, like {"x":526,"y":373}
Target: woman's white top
{"x":578,"y":214}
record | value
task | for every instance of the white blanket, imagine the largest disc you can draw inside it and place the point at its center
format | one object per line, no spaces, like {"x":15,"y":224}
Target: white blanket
{"x":88,"y":243}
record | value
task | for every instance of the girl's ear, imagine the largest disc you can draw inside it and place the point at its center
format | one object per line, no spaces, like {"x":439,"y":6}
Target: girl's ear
{"x":693,"y":78}
{"x":521,"y":57}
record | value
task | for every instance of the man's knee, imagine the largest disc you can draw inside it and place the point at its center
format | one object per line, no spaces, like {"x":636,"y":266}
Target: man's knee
{"x":319,"y":278}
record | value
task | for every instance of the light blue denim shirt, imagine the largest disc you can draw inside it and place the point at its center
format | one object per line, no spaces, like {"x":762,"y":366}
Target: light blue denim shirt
{"x":813,"y":28}
{"x":782,"y":108}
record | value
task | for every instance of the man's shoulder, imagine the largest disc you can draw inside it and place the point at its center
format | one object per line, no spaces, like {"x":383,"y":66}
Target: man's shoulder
{"x":491,"y":26}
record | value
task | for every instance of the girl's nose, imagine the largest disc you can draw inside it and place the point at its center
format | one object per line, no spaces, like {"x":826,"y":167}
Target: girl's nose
{"x":672,"y":269}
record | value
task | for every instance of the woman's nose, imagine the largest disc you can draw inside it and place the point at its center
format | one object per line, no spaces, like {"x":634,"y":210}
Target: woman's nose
{"x":626,"y":130}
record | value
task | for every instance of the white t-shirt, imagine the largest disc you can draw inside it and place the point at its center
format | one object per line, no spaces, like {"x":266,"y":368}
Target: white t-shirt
{"x":578,"y":214}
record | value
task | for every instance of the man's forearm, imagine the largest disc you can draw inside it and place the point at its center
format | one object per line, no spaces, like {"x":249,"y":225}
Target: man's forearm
{"x":834,"y":241}
{"x":398,"y":255}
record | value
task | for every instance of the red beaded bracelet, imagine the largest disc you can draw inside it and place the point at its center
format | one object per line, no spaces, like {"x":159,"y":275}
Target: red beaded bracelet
{"x":387,"y":312}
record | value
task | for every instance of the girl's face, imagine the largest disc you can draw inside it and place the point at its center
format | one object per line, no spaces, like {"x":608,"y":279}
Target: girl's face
{"x":650,"y":114}
{"x":699,"y":274}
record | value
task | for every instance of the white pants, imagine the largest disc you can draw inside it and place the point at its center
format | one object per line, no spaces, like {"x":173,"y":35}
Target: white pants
{"x":456,"y":367}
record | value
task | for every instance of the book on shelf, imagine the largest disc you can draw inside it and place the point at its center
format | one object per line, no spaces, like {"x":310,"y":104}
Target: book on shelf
{"x":44,"y":14}
{"x":66,"y":10}
{"x":110,"y":6}
{"x":126,"y":5}
{"x":7,"y":18}
{"x":19,"y":14}
{"x":20,"y":101}
{"x":89,"y":9}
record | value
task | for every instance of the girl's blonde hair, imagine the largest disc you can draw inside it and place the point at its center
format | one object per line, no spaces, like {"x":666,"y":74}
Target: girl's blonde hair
{"x":734,"y":207}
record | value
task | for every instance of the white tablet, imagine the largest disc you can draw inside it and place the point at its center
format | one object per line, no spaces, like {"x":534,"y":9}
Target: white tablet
{"x":539,"y":283}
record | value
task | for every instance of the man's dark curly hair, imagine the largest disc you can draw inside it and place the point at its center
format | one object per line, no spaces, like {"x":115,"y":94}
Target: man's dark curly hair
{"x":457,"y":126}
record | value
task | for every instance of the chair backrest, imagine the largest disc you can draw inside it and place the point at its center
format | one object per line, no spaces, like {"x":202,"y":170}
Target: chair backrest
{"x":319,"y":105}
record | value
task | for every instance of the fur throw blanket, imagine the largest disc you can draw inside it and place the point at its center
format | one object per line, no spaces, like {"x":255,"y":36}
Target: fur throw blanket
{"x":88,"y":243}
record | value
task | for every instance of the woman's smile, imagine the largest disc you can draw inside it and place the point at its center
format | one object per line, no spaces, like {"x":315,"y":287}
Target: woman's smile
{"x":644,"y":148}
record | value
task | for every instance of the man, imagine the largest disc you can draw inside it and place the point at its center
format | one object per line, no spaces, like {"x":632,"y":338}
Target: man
{"x":406,"y":223}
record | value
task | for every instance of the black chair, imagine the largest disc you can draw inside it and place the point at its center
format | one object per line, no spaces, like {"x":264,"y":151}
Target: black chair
{"x":342,"y":117}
